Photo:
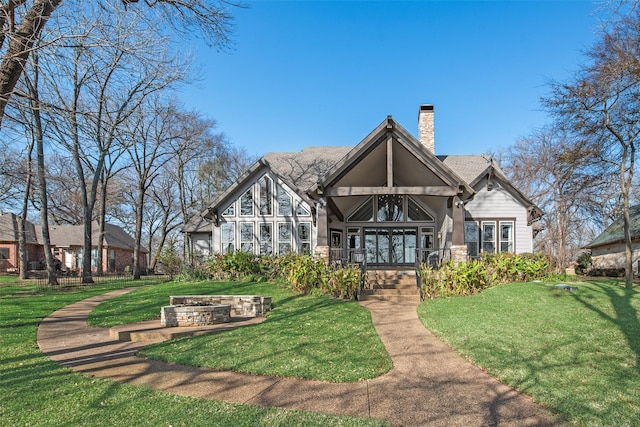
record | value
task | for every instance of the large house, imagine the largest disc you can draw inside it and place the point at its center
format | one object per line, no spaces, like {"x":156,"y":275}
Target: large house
{"x":390,"y":201}
{"x":608,"y":249}
{"x":67,"y":243}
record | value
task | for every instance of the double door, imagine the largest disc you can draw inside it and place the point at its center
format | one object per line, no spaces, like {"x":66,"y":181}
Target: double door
{"x":390,"y":246}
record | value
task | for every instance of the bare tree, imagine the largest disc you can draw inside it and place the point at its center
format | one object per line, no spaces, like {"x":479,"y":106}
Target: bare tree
{"x":602,"y":102}
{"x":556,"y":170}
{"x":22,"y":22}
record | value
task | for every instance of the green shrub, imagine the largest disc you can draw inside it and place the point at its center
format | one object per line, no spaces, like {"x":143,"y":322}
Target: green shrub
{"x":343,"y":282}
{"x":234,"y":265}
{"x":470,"y":277}
{"x":305,"y":273}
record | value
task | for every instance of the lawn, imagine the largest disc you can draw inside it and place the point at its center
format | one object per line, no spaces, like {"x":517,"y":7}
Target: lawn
{"x":303,"y":336}
{"x":39,"y":392}
{"x":578,"y":353}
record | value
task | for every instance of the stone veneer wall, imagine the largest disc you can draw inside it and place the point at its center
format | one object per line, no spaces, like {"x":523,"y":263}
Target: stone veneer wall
{"x":241,"y":305}
{"x":612,"y":257}
{"x":185,"y":315}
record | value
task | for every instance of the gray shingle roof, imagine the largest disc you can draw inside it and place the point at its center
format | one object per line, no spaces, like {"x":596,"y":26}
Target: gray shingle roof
{"x":615,"y":232}
{"x":305,"y":168}
{"x":9,"y":229}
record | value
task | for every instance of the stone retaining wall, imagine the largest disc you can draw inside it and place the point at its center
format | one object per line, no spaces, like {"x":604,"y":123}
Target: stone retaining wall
{"x":198,"y":315}
{"x":241,"y":305}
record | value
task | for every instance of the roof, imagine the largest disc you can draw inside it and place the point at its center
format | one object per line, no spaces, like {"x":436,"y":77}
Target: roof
{"x":9,"y":229}
{"x":615,"y":232}
{"x":197,"y":224}
{"x":65,"y":235}
{"x":305,"y":168}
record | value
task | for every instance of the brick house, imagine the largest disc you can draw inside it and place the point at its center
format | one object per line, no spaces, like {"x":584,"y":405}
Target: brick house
{"x":67,"y":246}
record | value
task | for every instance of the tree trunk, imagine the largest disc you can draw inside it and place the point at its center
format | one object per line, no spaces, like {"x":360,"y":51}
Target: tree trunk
{"x":24,"y":259}
{"x":138,"y":237}
{"x":20,"y":45}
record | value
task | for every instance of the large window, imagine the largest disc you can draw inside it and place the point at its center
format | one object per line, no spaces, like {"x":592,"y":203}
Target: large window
{"x":284,"y":237}
{"x":471,"y":235}
{"x":4,"y":253}
{"x":304,"y":237}
{"x":228,"y":237}
{"x":246,"y":203}
{"x":390,"y":208}
{"x":266,"y":195}
{"x":266,"y":239}
{"x":284,"y":203}
{"x":246,"y":237}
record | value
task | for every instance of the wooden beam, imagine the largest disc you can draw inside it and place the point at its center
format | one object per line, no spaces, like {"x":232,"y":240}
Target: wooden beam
{"x":379,"y":191}
{"x":333,"y":208}
{"x":389,"y":160}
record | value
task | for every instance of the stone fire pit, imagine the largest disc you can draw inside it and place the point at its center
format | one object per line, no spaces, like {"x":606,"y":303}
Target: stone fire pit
{"x":199,"y":310}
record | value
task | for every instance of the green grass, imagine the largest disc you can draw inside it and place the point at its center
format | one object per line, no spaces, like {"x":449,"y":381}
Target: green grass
{"x":39,"y":392}
{"x":304,"y":337}
{"x":578,"y":353}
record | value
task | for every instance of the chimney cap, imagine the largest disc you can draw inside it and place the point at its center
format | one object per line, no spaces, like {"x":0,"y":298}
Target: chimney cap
{"x":426,"y":107}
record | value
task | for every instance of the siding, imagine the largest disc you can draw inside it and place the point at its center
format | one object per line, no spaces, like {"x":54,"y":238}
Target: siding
{"x":500,"y":204}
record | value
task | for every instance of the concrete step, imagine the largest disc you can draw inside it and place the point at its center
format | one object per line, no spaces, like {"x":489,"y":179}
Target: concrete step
{"x":391,"y":298}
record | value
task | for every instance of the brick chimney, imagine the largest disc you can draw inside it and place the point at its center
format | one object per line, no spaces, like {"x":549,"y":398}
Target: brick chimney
{"x":425,"y":127}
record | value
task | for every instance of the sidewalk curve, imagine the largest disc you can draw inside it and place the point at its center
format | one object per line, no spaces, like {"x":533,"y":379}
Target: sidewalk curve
{"x":429,"y":383}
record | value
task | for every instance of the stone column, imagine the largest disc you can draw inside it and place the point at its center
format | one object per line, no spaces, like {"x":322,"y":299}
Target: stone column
{"x":458,"y":246}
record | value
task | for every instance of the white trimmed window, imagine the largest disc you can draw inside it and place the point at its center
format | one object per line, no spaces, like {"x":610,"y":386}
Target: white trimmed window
{"x":301,"y":210}
{"x":230,"y":211}
{"x":265,"y":185}
{"x":489,"y":236}
{"x":284,"y":203}
{"x":266,"y":238}
{"x":506,"y":236}
{"x":284,"y":237}
{"x":304,"y":237}
{"x":246,"y":237}
{"x":228,"y":237}
{"x":246,"y":203}
{"x":471,"y":234}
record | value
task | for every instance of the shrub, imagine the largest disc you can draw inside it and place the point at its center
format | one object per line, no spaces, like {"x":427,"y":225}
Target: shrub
{"x":170,"y":261}
{"x":234,"y":265}
{"x":343,"y":282}
{"x":470,"y":277}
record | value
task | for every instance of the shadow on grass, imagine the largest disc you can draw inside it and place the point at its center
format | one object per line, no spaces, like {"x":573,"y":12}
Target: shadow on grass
{"x":625,"y":314}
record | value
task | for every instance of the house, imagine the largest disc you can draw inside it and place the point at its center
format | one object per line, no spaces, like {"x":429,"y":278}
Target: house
{"x":9,"y":246}
{"x":67,"y":243}
{"x":390,"y":201}
{"x":608,"y":248}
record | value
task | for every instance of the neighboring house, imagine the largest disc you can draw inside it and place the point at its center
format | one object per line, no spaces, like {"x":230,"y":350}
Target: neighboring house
{"x":389,"y":200}
{"x":9,"y":243}
{"x":198,"y":237}
{"x":67,"y":245}
{"x":608,"y":249}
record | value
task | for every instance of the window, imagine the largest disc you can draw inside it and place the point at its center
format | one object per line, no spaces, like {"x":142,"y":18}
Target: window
{"x":506,"y":236}
{"x":266,"y":195}
{"x":266,"y":239}
{"x":284,"y":203}
{"x":228,"y":237}
{"x":246,"y":237}
{"x":471,"y":234}
{"x":230,"y":211}
{"x":4,"y":253}
{"x":79,"y":257}
{"x":304,"y":237}
{"x":390,"y":208}
{"x":364,"y":212}
{"x":284,"y":238}
{"x":302,"y":211}
{"x":426,"y":238}
{"x":416,"y":213}
{"x":246,"y":203}
{"x":489,"y":236}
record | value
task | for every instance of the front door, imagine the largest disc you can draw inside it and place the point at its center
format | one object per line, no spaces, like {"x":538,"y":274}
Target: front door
{"x":390,"y":246}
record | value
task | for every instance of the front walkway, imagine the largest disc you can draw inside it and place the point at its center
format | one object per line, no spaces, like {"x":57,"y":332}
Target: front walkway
{"x":428,"y":385}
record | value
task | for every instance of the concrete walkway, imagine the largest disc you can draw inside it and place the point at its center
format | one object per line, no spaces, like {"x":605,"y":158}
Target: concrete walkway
{"x":428,"y":385}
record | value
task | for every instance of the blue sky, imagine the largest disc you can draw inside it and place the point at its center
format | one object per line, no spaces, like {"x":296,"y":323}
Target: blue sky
{"x":306,"y":73}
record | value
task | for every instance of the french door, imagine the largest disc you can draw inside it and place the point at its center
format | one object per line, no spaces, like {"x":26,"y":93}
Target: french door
{"x":390,"y":246}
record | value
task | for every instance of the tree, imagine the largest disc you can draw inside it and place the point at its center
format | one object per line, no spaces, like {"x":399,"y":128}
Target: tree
{"x":556,"y":170}
{"x":602,"y":103}
{"x":23,"y":21}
